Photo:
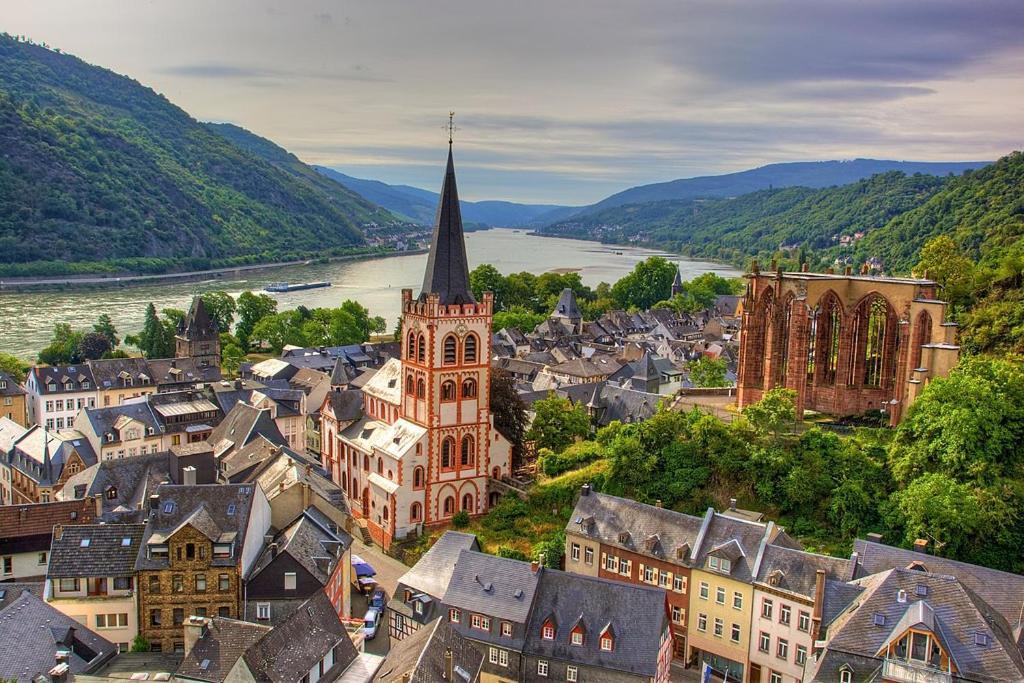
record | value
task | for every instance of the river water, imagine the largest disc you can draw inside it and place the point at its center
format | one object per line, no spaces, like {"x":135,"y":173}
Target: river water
{"x":27,"y":319}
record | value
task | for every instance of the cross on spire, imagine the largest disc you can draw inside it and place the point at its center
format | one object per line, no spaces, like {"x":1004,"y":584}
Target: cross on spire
{"x":451,"y":127}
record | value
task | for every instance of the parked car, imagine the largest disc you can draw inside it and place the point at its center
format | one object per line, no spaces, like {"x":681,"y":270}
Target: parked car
{"x":378,"y":599}
{"x":371,"y":623}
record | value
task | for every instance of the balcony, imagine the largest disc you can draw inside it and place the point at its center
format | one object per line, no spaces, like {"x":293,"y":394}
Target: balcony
{"x":907,"y":672}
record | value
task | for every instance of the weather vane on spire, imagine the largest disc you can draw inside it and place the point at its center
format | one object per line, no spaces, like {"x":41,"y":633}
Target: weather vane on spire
{"x":451,"y":126}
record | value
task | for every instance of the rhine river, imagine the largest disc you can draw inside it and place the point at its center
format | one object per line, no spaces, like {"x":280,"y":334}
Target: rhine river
{"x":28,"y":318}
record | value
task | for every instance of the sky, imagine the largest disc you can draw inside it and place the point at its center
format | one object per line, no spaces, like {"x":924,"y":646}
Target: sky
{"x":566,"y":101}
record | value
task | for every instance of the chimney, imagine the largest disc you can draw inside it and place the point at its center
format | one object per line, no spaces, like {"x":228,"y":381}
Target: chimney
{"x":585,"y":490}
{"x":874,"y":537}
{"x":195,"y":628}
{"x":98,"y":501}
{"x":448,"y":664}
{"x":154,"y":502}
{"x":732,"y":503}
{"x":921,"y":545}
{"x":188,"y":476}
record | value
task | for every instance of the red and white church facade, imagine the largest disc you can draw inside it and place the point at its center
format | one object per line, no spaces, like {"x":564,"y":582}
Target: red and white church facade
{"x":425,"y":446}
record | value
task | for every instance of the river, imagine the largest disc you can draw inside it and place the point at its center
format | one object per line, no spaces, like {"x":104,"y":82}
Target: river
{"x":27,"y":319}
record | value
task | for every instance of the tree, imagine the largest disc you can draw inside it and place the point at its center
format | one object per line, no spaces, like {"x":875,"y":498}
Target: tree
{"x":944,"y":262}
{"x":557,"y":423}
{"x":221,"y":308}
{"x":518,"y":317}
{"x":105,"y":326}
{"x":649,"y":282}
{"x":251,"y":309}
{"x":509,"y":413}
{"x":93,"y":346}
{"x":969,"y":425}
{"x":13,"y":366}
{"x":706,"y":372}
{"x":63,"y":346}
{"x":774,"y":413}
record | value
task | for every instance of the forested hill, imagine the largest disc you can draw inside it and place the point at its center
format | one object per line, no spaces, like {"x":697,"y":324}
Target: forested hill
{"x":815,"y":174}
{"x":759,"y":223}
{"x":101,"y":172}
{"x":983,"y":211}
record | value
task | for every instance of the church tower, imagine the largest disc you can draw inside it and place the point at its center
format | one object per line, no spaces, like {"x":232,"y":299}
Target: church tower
{"x":446,"y":352}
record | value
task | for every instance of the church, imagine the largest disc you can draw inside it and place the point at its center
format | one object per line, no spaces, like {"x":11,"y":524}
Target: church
{"x":425,"y":446}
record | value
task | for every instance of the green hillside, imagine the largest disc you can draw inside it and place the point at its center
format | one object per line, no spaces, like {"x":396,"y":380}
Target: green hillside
{"x":760,"y":223}
{"x":101,"y":173}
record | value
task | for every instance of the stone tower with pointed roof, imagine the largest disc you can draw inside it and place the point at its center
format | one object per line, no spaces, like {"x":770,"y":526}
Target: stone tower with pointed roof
{"x":198,"y":337}
{"x":425,"y":447}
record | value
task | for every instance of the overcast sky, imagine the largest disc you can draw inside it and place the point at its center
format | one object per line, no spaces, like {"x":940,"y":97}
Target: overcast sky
{"x":568,"y":101}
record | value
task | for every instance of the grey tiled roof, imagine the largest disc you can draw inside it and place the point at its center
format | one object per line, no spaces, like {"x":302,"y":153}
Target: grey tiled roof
{"x":11,"y":591}
{"x":605,"y":517}
{"x":422,"y":656}
{"x":220,"y":648}
{"x":636,"y":616}
{"x":111,"y":551}
{"x":1002,"y":590}
{"x":952,"y":612}
{"x":797,"y":569}
{"x":129,"y":480}
{"x":219,"y":511}
{"x":291,"y":649}
{"x":433,"y":572}
{"x":492,"y":585}
{"x":32,"y":631}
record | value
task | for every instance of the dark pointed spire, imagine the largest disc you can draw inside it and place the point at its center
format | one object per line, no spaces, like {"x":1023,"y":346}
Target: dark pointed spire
{"x":447,"y":268}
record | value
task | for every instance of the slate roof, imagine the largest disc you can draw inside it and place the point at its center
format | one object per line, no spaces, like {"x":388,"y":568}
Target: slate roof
{"x":798,"y":569}
{"x":346,"y":404}
{"x":447,"y":272}
{"x":103,"y":421}
{"x":604,"y":517}
{"x":432,"y":573}
{"x":1002,"y":590}
{"x":242,"y":424}
{"x":111,"y":551}
{"x":310,"y":543}
{"x":567,"y":306}
{"x":421,"y":655}
{"x":597,"y":604}
{"x":954,"y":613}
{"x":218,"y":511}
{"x":107,"y":372}
{"x":291,"y":649}
{"x":12,"y":590}
{"x":32,"y":631}
{"x":68,"y":378}
{"x":132,"y":481}
{"x":223,"y":643}
{"x":511,"y":583}
{"x":197,"y":325}
{"x":9,"y":387}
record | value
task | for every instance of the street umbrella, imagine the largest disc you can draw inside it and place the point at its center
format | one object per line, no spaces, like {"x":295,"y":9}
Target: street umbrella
{"x":362,"y":567}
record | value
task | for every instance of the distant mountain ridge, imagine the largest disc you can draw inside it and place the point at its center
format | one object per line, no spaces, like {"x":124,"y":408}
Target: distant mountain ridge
{"x":103,"y":173}
{"x":419,"y":205}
